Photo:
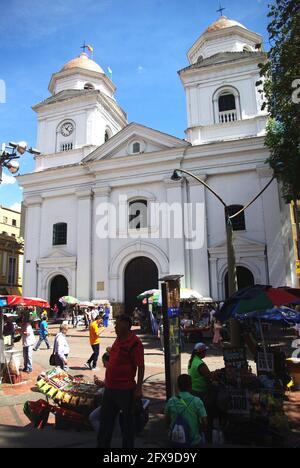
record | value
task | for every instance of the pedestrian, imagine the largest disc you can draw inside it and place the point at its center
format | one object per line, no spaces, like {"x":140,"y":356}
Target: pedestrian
{"x":126,"y":357}
{"x":217,"y":338}
{"x":186,"y":417}
{"x":106,"y":315}
{"x":95,"y":332}
{"x":74,"y":316}
{"x":55,"y":312}
{"x":61,"y":349}
{"x":87,"y":318}
{"x":28,"y":341}
{"x":43,"y":332}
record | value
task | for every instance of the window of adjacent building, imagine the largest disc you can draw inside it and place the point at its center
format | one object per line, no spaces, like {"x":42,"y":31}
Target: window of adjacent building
{"x":12,"y":264}
{"x":138,"y":214}
{"x":238,"y":223}
{"x":66,"y":146}
{"x":60,"y":234}
{"x":5,"y":219}
{"x":14,"y":222}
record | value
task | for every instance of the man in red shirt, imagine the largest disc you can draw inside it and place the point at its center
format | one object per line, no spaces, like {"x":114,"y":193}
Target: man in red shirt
{"x":125,"y":359}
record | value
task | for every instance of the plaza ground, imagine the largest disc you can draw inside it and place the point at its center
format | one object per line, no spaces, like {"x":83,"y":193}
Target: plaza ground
{"x":15,"y":430}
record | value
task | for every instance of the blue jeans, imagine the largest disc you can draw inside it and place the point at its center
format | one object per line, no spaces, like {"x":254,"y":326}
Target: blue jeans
{"x":27,"y":355}
{"x":41,"y":339}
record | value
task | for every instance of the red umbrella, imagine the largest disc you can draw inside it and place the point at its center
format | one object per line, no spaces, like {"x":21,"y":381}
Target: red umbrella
{"x":27,"y":301}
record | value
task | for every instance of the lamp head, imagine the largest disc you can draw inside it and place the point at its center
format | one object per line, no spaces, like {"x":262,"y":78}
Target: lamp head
{"x":34,"y":151}
{"x":176,"y":177}
{"x":22,"y":147}
{"x":12,"y":166}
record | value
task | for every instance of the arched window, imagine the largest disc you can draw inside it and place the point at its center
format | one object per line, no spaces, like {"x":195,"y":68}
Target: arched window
{"x":60,"y":234}
{"x":89,"y":86}
{"x":238,"y":223}
{"x":138,"y":214}
{"x":245,"y":279}
{"x":226,"y":105}
{"x":108,"y":134}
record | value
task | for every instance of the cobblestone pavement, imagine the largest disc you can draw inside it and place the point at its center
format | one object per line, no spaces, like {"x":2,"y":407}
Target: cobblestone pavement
{"x":15,"y":430}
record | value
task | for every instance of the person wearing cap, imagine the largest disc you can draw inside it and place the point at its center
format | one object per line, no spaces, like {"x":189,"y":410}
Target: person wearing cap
{"x":198,"y":370}
{"x":202,"y":381}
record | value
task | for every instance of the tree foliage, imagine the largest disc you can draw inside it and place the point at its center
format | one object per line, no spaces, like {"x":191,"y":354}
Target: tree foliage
{"x":281,"y":90}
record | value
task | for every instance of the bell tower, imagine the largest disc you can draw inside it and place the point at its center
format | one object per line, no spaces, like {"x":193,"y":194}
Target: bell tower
{"x":223,"y":102}
{"x":80,"y":115}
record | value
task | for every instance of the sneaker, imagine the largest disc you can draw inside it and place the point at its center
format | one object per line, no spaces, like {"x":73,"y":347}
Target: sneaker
{"x":34,"y":349}
{"x":88,"y":365}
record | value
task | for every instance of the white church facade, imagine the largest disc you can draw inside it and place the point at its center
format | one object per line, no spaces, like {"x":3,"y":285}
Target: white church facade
{"x":92,"y":158}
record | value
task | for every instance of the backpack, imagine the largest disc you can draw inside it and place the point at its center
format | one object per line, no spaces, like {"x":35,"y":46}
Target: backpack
{"x":180,"y":431}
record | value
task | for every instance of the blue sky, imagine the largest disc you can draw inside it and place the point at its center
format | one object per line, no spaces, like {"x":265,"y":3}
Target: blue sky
{"x":144,"y":42}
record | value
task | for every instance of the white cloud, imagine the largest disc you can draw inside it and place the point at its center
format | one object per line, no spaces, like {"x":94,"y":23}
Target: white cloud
{"x":141,"y":69}
{"x":8,"y":179}
{"x":16,"y":207}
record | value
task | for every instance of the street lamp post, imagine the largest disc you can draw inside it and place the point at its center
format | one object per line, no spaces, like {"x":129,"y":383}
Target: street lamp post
{"x":8,"y":158}
{"x":231,"y":263}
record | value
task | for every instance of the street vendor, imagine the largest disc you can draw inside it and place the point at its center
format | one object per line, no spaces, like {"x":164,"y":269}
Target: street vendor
{"x":199,"y":371}
{"x":202,"y":383}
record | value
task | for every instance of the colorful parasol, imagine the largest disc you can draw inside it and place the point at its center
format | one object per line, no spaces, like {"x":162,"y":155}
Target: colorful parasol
{"x":255,"y":298}
{"x":277,"y":314}
{"x":69,"y":300}
{"x":150,"y":293}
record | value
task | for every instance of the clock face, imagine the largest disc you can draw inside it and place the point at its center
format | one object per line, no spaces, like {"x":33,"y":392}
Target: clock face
{"x":67,"y":129}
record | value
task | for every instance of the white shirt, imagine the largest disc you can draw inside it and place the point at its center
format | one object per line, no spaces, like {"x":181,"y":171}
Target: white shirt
{"x":61,"y":347}
{"x":27,"y":340}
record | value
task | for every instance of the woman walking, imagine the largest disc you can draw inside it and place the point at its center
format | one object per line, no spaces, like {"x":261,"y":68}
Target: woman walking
{"x":61,"y":349}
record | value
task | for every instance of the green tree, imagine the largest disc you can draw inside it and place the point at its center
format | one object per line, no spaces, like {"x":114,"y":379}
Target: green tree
{"x":280,"y":86}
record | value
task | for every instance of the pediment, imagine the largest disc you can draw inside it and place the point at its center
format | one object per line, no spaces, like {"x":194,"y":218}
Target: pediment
{"x":241,"y":245}
{"x":120,"y":145}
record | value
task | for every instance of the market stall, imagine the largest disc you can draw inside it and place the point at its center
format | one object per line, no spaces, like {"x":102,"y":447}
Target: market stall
{"x":71,"y":394}
{"x":251,"y":400}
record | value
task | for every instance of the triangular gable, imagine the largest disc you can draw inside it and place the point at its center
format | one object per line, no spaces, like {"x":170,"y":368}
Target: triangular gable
{"x":151,"y":141}
{"x":241,"y":244}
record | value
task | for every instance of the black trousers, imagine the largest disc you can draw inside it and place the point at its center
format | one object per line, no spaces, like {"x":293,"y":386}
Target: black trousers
{"x":113,"y":402}
{"x":94,"y":357}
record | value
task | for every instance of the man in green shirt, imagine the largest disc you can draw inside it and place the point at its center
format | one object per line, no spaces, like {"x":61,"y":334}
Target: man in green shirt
{"x":189,"y":407}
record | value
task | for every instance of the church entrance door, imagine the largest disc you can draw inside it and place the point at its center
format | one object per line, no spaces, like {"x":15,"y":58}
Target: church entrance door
{"x":245,"y":279}
{"x":59,"y":288}
{"x":141,"y":274}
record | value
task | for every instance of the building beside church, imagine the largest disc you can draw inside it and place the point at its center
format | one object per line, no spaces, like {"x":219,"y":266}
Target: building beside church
{"x":92,"y":158}
{"x":11,"y":252}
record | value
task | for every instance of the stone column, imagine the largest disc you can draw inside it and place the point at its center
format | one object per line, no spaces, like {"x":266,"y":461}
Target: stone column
{"x":100,"y":246}
{"x":84,"y":244}
{"x":176,"y":244}
{"x":278,"y":262}
{"x":199,"y":252}
{"x":32,"y":245}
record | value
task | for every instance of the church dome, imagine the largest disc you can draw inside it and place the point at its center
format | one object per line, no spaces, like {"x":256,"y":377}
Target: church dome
{"x":84,"y":62}
{"x":222,"y":23}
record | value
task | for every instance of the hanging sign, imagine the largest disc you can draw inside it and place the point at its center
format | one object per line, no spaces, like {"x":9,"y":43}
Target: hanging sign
{"x":265,"y":362}
{"x":235,"y":358}
{"x":239,"y":402}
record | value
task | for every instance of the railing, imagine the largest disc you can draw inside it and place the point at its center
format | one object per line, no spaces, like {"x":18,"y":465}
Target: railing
{"x":228,"y":116}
